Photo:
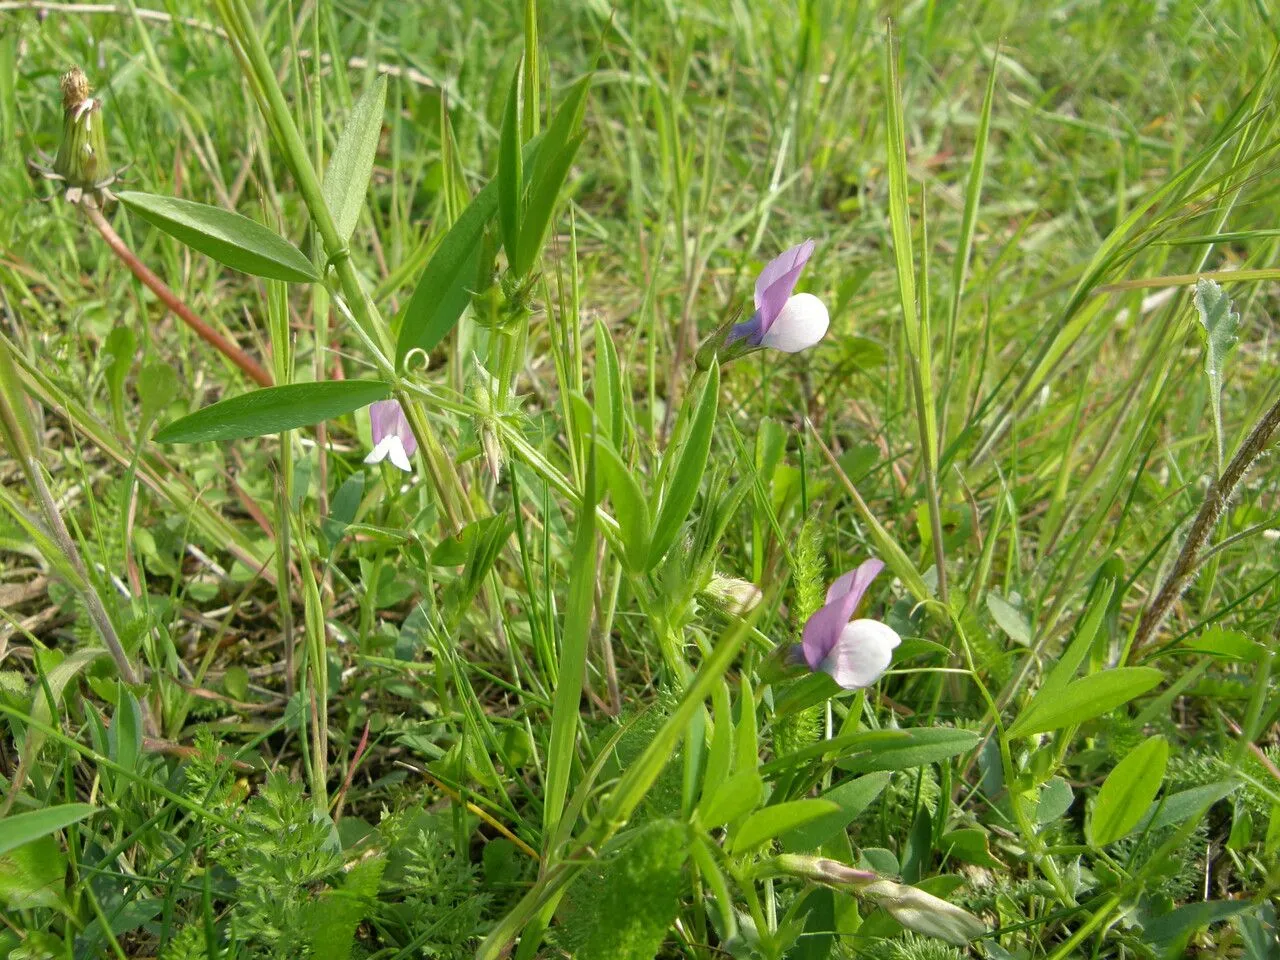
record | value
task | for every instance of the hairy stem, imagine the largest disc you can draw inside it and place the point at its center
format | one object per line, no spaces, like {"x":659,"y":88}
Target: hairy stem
{"x":252,"y":369}
{"x":1202,"y":527}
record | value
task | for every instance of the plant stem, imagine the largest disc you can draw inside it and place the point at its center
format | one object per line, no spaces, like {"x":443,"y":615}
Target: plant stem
{"x":1202,"y":527}
{"x":21,"y":441}
{"x":251,"y":368}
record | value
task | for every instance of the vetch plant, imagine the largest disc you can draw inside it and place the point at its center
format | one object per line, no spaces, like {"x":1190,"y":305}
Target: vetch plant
{"x":855,"y":653}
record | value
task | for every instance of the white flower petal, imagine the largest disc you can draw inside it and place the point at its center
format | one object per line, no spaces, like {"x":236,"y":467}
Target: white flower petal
{"x":396,"y":454}
{"x":862,"y":654}
{"x":802,"y":323}
{"x":379,"y":453}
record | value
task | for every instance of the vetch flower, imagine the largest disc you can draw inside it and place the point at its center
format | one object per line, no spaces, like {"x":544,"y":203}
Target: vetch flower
{"x":912,"y":907}
{"x":392,"y":438}
{"x":782,"y":320}
{"x":854,"y":652}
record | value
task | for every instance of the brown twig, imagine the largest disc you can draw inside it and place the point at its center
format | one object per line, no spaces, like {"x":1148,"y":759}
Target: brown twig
{"x":1202,"y":528}
{"x":251,"y":368}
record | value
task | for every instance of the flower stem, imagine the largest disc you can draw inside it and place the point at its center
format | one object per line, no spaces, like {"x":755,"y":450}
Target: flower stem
{"x":251,"y":368}
{"x":1215,"y":501}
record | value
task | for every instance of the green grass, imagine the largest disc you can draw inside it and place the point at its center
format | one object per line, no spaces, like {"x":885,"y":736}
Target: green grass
{"x":504,"y":704}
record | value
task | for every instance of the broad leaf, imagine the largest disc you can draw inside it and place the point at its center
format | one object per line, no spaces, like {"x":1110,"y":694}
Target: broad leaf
{"x":1128,"y":791}
{"x":1085,"y":699}
{"x":1056,"y":798}
{"x":228,"y":237}
{"x":346,"y":181}
{"x":621,"y":906}
{"x":274,"y":410}
{"x":1009,"y":618}
{"x":334,"y":917}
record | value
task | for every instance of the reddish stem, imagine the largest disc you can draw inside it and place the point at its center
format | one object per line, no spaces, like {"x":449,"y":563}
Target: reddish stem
{"x":252,"y":369}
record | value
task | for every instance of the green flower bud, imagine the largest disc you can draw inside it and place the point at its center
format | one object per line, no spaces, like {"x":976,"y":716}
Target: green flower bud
{"x":82,"y":156}
{"x":912,"y":907}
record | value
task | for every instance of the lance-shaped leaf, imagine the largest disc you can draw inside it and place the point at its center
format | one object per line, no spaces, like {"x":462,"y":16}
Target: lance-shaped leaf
{"x":274,"y":410}
{"x":1220,"y":324}
{"x":550,"y":170}
{"x":1128,"y":791}
{"x":444,"y":289}
{"x":689,"y":470}
{"x":23,"y":828}
{"x":510,"y":167}
{"x":347,"y":178}
{"x":231,"y":239}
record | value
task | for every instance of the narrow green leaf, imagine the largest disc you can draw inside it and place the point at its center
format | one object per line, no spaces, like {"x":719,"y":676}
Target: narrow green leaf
{"x":1071,"y":658}
{"x":1128,"y":791}
{"x":730,"y":799}
{"x":1085,"y":699}
{"x":444,"y":289}
{"x":543,"y":195}
{"x":628,"y":506}
{"x":1184,"y":804}
{"x":22,"y":828}
{"x":764,"y":825}
{"x":274,"y":410}
{"x":607,"y":387}
{"x":904,"y":749}
{"x":510,"y":171}
{"x":566,"y":706}
{"x":563,"y":127}
{"x":228,"y":237}
{"x":1220,"y":323}
{"x":346,"y":181}
{"x":126,"y":730}
{"x":687,"y":477}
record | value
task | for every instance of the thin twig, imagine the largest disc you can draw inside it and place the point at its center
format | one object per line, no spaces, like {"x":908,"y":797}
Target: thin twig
{"x":252,"y":369}
{"x":1202,"y":527}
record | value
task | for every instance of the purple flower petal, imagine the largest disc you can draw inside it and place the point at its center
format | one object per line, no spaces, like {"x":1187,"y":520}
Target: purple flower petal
{"x":777,"y":281}
{"x":822,"y":632}
{"x":386,"y":419}
{"x":748,"y":330}
{"x":856,"y":581}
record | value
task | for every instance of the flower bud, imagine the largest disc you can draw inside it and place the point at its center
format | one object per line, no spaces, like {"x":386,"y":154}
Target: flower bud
{"x":912,"y":907}
{"x":735,"y":596}
{"x":924,"y":913}
{"x":82,"y":155}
